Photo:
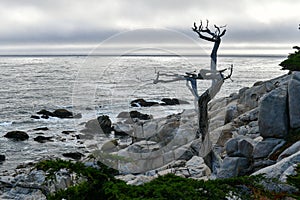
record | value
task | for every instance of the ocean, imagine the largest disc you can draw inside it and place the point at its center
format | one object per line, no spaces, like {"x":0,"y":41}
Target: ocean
{"x":99,"y":85}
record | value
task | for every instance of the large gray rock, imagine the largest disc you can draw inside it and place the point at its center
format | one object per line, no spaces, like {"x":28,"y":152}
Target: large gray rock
{"x":238,"y":147}
{"x":273,"y":116}
{"x":294,"y":100}
{"x":251,"y":96}
{"x":233,"y":166}
{"x":264,"y":148}
{"x":276,"y":170}
{"x":289,"y":151}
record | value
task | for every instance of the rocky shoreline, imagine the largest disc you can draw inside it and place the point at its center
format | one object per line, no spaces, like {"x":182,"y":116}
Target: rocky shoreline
{"x":250,"y":132}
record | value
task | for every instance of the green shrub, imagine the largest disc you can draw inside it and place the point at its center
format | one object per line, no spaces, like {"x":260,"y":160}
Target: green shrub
{"x":292,"y":63}
{"x":101,"y":184}
{"x":295,"y":179}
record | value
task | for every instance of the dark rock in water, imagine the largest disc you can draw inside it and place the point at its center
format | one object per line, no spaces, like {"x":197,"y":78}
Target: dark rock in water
{"x":143,"y":103}
{"x":41,"y":129}
{"x":17,"y":135}
{"x":67,"y":132}
{"x":2,"y":158}
{"x":170,"y":102}
{"x":39,"y":133}
{"x":138,"y":115}
{"x":73,"y":155}
{"x":45,"y":116}
{"x":105,"y":123}
{"x":42,"y":139}
{"x":34,"y":117}
{"x":62,"y":113}
{"x":100,"y":125}
{"x":45,"y":112}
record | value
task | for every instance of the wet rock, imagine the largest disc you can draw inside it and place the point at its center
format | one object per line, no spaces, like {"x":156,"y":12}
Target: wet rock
{"x":41,"y":129}
{"x":73,"y":155}
{"x":143,"y":103}
{"x":294,"y":100}
{"x":17,"y":135}
{"x":45,"y":113}
{"x":62,"y":113}
{"x":105,"y":123}
{"x":138,"y":115}
{"x":67,"y":132}
{"x":2,"y":158}
{"x":45,"y":116}
{"x":42,"y":139}
{"x":273,"y":116}
{"x":34,"y":117}
{"x":170,"y":102}
{"x":264,"y":148}
{"x":100,"y":125}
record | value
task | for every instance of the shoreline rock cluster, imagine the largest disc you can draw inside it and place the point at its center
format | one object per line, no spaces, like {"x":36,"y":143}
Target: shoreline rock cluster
{"x":254,"y":131}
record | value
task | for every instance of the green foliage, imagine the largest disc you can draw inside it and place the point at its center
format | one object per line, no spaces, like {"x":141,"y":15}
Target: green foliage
{"x":101,"y":184}
{"x":292,"y":63}
{"x":295,"y":180}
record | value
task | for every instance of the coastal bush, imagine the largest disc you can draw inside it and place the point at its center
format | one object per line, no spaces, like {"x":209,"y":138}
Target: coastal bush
{"x":295,"y":179}
{"x":292,"y":63}
{"x":101,"y":184}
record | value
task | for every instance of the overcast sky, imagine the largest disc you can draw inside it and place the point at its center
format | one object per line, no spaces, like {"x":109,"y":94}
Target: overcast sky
{"x":67,"y":23}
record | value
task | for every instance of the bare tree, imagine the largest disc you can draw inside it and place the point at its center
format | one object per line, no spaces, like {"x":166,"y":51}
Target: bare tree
{"x":217,"y":77}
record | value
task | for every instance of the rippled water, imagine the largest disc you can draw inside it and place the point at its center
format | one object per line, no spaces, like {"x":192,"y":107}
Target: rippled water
{"x":98,"y":85}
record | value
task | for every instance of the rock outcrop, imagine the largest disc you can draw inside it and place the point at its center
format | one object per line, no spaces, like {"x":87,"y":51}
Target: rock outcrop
{"x":17,"y":135}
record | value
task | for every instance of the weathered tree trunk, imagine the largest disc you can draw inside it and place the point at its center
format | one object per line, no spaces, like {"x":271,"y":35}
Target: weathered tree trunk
{"x":213,"y":55}
{"x":203,"y":114}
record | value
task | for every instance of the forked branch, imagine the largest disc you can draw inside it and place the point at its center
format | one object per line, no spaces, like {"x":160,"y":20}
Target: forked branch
{"x":211,"y":36}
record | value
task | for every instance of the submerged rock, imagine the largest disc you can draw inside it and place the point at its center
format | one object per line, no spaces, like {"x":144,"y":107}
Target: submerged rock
{"x":42,"y":139}
{"x":62,"y":113}
{"x":17,"y":135}
{"x":2,"y":158}
{"x":45,"y":113}
{"x":138,"y":115}
{"x":143,"y":103}
{"x":41,"y":129}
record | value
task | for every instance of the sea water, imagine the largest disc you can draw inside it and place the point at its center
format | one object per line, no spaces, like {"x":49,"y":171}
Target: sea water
{"x":99,"y":85}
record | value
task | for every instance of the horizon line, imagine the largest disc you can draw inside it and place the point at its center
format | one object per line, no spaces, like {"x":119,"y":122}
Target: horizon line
{"x":138,"y":55}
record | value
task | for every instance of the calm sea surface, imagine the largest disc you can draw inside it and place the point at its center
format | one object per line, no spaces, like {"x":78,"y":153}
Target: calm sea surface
{"x":95,"y":86}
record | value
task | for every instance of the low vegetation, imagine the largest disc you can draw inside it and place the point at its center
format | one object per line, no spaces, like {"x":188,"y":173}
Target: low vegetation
{"x":292,"y":63}
{"x":99,"y":183}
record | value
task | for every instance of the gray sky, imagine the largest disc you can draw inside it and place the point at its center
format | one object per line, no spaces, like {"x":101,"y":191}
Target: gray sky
{"x":66,"y":24}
